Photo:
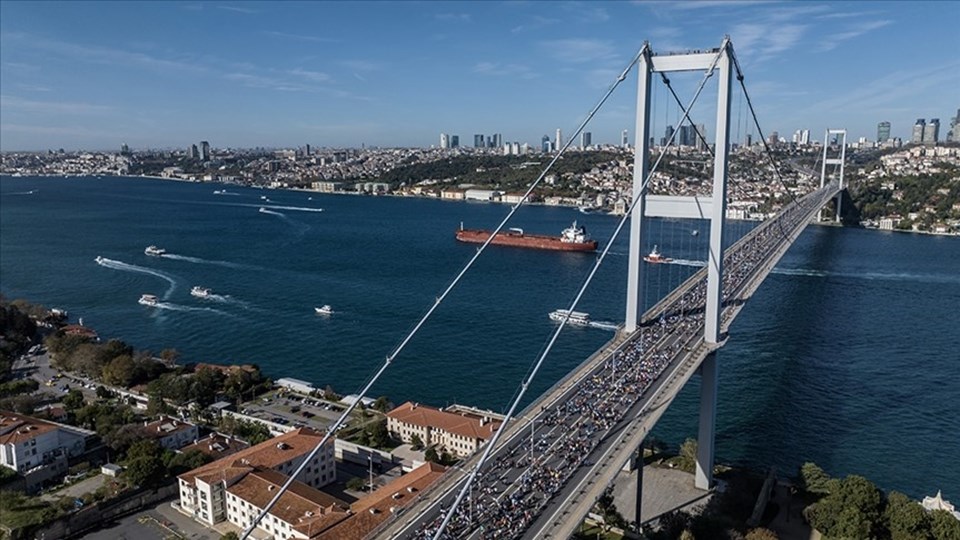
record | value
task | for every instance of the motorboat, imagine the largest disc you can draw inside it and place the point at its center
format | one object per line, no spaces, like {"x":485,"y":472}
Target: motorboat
{"x":324,"y":310}
{"x":578,"y":318}
{"x":200,"y":292}
{"x":154,"y":251}
{"x":99,"y":259}
{"x":655,"y":257}
{"x":149,"y":300}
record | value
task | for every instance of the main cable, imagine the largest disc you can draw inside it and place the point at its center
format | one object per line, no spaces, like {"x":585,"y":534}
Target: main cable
{"x":638,"y":195}
{"x":389,"y":359}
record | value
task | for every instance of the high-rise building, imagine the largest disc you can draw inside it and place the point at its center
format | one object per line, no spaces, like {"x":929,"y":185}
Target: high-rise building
{"x":667,"y":133}
{"x":954,"y":134}
{"x":805,"y":137}
{"x":586,"y":139}
{"x":497,"y":140}
{"x":931,"y":132}
{"x":444,"y":141}
{"x":124,"y":150}
{"x":624,"y":139}
{"x":545,"y":144}
{"x":192,"y":152}
{"x":917,"y":136}
{"x":773,"y":139}
{"x":454,"y":141}
{"x":478,"y":141}
{"x":883,"y":132}
{"x":559,"y":139}
{"x":700,"y":141}
{"x":749,"y":140}
{"x":204,"y":151}
{"x":306,"y":150}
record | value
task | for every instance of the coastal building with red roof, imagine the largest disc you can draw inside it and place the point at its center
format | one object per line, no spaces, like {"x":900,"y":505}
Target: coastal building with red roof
{"x":459,"y":433}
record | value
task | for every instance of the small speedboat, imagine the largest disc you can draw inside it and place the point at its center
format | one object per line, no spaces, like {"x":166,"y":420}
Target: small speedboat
{"x":99,"y":259}
{"x":200,"y":292}
{"x":149,"y":300}
{"x":155,"y":251}
{"x":263,"y":210}
{"x":324,"y":310}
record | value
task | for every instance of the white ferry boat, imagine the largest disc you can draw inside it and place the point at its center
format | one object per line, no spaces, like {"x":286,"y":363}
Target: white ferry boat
{"x":155,"y":251}
{"x":149,"y":300}
{"x":655,"y":257}
{"x":578,"y":318}
{"x":200,"y":292}
{"x":324,"y":310}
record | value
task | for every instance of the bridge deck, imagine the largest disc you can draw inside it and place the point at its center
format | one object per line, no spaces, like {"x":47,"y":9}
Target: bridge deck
{"x":559,"y":455}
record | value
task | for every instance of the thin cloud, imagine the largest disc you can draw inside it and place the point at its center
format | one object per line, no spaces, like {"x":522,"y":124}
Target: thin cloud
{"x":104,"y":55}
{"x":578,"y":51}
{"x":701,"y":4}
{"x":834,"y":40}
{"x":537,"y":22}
{"x":300,"y":37}
{"x":763,"y":41}
{"x":260,"y":81}
{"x":238,"y":9}
{"x":56,"y":130}
{"x":460,"y":17}
{"x":497,"y":69}
{"x":586,"y":12}
{"x":315,"y":76}
{"x":360,"y":65}
{"x":14,"y":103}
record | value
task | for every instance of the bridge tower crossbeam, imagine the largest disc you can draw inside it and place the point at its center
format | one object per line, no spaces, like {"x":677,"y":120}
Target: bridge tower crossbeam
{"x":719,"y":61}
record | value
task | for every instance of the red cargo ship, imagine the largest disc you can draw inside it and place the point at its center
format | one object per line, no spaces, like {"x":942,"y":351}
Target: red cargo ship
{"x":573,"y":238}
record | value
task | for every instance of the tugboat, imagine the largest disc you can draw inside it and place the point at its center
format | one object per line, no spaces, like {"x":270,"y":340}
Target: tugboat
{"x":149,"y":300}
{"x":154,"y":251}
{"x":573,"y":238}
{"x":656,"y":258}
{"x":200,"y":292}
{"x":324,"y":310}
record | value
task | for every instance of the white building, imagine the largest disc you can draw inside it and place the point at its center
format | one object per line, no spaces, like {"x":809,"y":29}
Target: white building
{"x":27,"y":443}
{"x":444,"y":141}
{"x":171,"y":433}
{"x":203,"y":491}
{"x":458,"y":433}
{"x":296,"y":385}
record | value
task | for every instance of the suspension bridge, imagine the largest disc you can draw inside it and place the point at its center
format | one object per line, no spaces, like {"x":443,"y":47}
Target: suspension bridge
{"x":547,"y":465}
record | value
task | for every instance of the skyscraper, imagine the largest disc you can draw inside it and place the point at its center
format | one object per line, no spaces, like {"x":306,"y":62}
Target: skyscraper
{"x":545,"y":144}
{"x":204,"y":151}
{"x":454,"y":141}
{"x":931,"y":132}
{"x":624,"y":139}
{"x":883,"y":132}
{"x":917,"y":137}
{"x":805,"y":137}
{"x":586,"y":139}
{"x":954,"y":134}
{"x":497,"y":140}
{"x":559,"y":139}
{"x":124,"y":150}
{"x":444,"y":141}
{"x":701,"y":141}
{"x":192,"y":152}
{"x":667,"y":133}
{"x":478,"y":141}
{"x":306,"y":150}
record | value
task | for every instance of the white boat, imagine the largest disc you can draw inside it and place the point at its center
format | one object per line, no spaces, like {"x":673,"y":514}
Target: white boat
{"x":264,"y":198}
{"x":324,"y":310}
{"x":155,"y":251}
{"x":263,"y":210}
{"x":655,"y":257}
{"x":149,"y":300}
{"x":200,"y":292}
{"x":576,"y":317}
{"x":99,"y":259}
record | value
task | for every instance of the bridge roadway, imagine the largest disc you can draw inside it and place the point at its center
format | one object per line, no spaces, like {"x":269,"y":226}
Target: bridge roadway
{"x":559,"y":455}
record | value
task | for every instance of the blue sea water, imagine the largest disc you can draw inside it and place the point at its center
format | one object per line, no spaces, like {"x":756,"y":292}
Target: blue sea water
{"x":848,"y":355}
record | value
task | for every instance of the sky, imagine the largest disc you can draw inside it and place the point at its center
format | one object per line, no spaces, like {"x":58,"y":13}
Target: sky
{"x":82,"y":75}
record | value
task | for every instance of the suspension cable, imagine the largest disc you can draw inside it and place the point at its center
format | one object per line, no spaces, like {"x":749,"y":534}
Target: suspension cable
{"x":526,"y":383}
{"x":753,"y":114}
{"x":333,"y":428}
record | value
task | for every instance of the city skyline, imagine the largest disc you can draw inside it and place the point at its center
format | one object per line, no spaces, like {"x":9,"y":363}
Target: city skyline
{"x":92,"y":76}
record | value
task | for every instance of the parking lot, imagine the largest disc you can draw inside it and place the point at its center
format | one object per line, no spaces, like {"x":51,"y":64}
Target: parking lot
{"x":290,"y":409}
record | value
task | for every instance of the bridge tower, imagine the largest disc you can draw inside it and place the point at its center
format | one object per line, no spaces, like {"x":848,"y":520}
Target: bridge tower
{"x":720,"y":62}
{"x":842,"y":140}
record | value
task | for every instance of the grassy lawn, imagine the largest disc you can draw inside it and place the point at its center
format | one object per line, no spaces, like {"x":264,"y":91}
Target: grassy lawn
{"x":18,"y":510}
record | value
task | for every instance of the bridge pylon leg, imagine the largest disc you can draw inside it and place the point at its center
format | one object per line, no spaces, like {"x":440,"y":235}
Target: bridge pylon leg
{"x":709,"y":381}
{"x":638,"y":516}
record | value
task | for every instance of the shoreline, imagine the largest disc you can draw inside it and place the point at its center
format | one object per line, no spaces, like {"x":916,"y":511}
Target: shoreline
{"x":344,"y":193}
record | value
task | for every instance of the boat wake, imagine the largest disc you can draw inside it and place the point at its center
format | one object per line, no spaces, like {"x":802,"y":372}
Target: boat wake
{"x":603,"y":325}
{"x":878,"y":276}
{"x":686,"y":262}
{"x":299,"y":228}
{"x":31,"y":192}
{"x":263,"y":210}
{"x":225,"y":192}
{"x":294,"y":208}
{"x":226,"y":299}
{"x":178,"y":307}
{"x":125,"y":267}
{"x":197,"y":260}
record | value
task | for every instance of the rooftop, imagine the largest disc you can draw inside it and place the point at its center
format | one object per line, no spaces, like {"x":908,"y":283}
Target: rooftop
{"x":306,"y":509}
{"x":216,"y":445}
{"x":470,"y":426}
{"x":165,"y":426}
{"x":17,"y":428}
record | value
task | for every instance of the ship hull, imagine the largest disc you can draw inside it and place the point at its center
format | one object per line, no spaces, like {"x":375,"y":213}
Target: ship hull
{"x":529,"y":241}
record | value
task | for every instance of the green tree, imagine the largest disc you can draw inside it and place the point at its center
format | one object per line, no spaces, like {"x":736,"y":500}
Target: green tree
{"x":186,"y":461}
{"x":687,"y":534}
{"x":853,"y":510}
{"x":416,"y":442}
{"x":170,"y":356}
{"x":144,"y":463}
{"x":905,"y":519}
{"x":122,"y":438}
{"x":944,"y":526}
{"x":382,"y":404}
{"x":103,"y":393}
{"x":356,"y":484}
{"x":761,"y":533}
{"x":379,"y":436}
{"x":687,"y":459}
{"x":814,"y":480}
{"x":120,"y":371}
{"x":431,"y":455}
{"x":73,"y":400}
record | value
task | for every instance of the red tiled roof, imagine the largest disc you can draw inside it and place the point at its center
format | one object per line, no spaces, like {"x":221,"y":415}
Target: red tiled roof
{"x":423,"y":415}
{"x":17,"y":428}
{"x":306,"y":509}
